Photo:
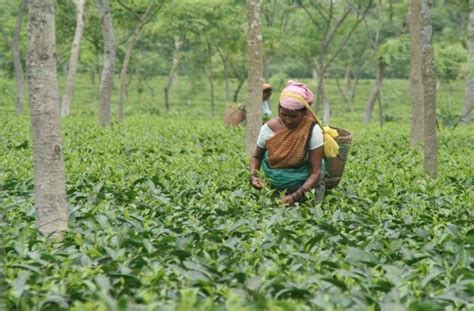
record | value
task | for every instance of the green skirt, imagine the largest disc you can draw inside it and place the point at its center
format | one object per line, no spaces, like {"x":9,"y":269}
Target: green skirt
{"x":287,"y":178}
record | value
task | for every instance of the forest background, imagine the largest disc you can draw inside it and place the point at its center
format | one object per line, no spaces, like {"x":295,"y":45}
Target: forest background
{"x":186,"y":50}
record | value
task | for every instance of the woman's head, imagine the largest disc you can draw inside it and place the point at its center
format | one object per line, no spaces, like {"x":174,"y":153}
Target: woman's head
{"x":292,"y":107}
{"x":295,"y":95}
{"x":267,"y":91}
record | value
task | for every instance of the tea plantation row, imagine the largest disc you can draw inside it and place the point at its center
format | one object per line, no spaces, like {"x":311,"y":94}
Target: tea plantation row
{"x":161,"y":217}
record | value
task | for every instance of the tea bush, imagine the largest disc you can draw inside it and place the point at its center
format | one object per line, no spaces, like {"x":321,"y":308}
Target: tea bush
{"x":161,"y":217}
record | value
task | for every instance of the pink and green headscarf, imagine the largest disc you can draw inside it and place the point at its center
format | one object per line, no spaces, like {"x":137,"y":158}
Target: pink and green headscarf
{"x":295,"y":95}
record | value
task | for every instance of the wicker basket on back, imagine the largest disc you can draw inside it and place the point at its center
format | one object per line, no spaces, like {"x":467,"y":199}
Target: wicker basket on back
{"x":233,"y":116}
{"x":335,"y":166}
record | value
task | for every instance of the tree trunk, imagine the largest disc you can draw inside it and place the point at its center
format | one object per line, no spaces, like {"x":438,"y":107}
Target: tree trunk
{"x":97,"y":63}
{"x":381,"y":114}
{"x":353,"y":87}
{"x":429,"y":88}
{"x":469,"y":91}
{"x":320,"y":80}
{"x":348,"y":91}
{"x":345,"y":94}
{"x":173,"y":70}
{"x":352,"y":84}
{"x":255,"y":75}
{"x":381,"y":65}
{"x":321,"y":98}
{"x":226,"y":82}
{"x":211,"y":79}
{"x":76,"y":45}
{"x":50,"y":190}
{"x":416,"y":86}
{"x":226,"y":75}
{"x":123,"y":72}
{"x":326,"y":106}
{"x":237,"y":89}
{"x":106,"y":81}
{"x":19,"y":74}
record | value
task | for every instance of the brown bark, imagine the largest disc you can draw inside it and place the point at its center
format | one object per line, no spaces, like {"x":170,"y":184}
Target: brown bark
{"x":469,"y":91}
{"x":416,"y":86}
{"x":226,"y":74}
{"x":173,"y":70}
{"x":211,"y":80}
{"x":326,"y":105}
{"x":381,"y":65}
{"x":50,"y":190}
{"x":19,"y":75}
{"x":76,"y":45}
{"x":128,"y":54}
{"x":349,"y":90}
{"x":18,"y":67}
{"x":255,"y":75}
{"x":106,"y":81}
{"x":429,"y":91}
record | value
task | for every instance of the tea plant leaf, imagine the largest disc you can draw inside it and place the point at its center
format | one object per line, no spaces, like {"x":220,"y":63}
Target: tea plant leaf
{"x":20,"y":283}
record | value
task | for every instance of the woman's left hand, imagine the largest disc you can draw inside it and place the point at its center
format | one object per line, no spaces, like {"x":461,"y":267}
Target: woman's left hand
{"x":287,"y":199}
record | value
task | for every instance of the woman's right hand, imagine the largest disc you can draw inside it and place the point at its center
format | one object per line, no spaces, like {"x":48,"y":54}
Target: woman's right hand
{"x":256,"y":182}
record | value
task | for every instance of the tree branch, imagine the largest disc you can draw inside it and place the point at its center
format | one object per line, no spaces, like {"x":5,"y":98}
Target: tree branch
{"x":349,"y":35}
{"x":128,"y":9}
{"x":311,"y":17}
{"x":333,"y":31}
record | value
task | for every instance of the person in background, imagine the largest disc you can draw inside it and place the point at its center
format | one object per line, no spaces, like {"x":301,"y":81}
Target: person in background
{"x":290,"y":147}
{"x":267,"y":92}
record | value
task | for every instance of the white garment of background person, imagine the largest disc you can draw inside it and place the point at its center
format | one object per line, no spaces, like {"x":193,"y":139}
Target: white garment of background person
{"x":266,"y":108}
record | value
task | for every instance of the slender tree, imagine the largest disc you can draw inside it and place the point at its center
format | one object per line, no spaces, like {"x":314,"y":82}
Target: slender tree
{"x":18,"y":67}
{"x":329,"y":19}
{"x":379,"y":76}
{"x":75,"y":49}
{"x":416,"y":86}
{"x":142,"y":20}
{"x":173,"y":70}
{"x":211,"y":80}
{"x":255,"y":74}
{"x":50,"y":190}
{"x":106,"y":81}
{"x":469,"y":91}
{"x":429,"y":90}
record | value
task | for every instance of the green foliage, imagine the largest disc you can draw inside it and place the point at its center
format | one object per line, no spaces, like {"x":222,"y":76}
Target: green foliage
{"x":161,"y":217}
{"x":291,"y":39}
{"x":450,"y":61}
{"x":394,"y":49}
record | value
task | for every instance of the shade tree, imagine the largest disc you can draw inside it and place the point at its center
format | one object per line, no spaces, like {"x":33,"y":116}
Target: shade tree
{"x":469,"y":89}
{"x":334,"y":23}
{"x":108,"y":68}
{"x":385,"y":34}
{"x":48,"y":155}
{"x":14,"y":44}
{"x":416,"y":86}
{"x":429,"y":91}
{"x":255,"y":74}
{"x":140,"y":15}
{"x":392,"y":49}
{"x":73,"y":61}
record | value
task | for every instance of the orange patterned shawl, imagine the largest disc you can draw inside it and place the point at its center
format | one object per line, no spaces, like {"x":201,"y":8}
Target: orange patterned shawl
{"x":287,"y":148}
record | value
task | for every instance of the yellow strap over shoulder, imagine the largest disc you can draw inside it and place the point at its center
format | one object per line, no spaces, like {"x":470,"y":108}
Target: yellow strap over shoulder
{"x":331,"y":148}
